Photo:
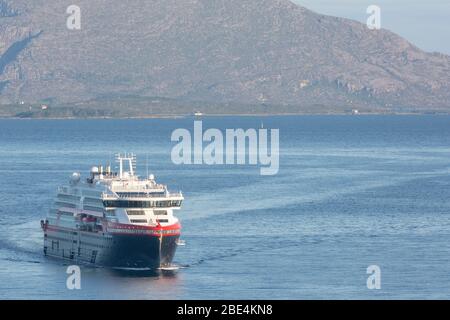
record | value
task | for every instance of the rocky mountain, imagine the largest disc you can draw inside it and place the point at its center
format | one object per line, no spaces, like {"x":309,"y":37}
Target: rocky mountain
{"x":270,"y":53}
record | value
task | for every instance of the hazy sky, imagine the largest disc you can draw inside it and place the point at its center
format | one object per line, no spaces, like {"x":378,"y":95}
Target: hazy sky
{"x":424,"y":23}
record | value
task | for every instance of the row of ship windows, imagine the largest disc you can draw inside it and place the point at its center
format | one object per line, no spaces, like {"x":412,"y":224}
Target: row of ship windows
{"x":98,"y":202}
{"x":90,"y":193}
{"x":138,"y":220}
{"x":145,"y":220}
{"x":65,"y":204}
{"x":93,"y":202}
{"x":141,"y":204}
{"x":111,"y":213}
{"x":87,"y":201}
{"x":90,"y":208}
{"x":142,"y":213}
{"x":136,"y":212}
{"x":154,"y":232}
{"x":93,"y":194}
{"x":64,"y":197}
{"x":86,"y":207}
{"x":123,"y":204}
{"x":140,"y":194}
{"x":170,"y":231}
{"x":65,"y":213}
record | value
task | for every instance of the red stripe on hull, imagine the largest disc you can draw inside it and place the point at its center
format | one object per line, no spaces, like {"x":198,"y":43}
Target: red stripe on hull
{"x":158,"y":231}
{"x":135,"y":227}
{"x":127,"y":229}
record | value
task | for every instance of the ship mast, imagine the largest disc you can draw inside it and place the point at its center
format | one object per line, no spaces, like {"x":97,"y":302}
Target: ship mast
{"x":123,"y":159}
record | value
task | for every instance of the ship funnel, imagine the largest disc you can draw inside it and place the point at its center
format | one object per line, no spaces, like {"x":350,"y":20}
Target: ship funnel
{"x":94,"y":172}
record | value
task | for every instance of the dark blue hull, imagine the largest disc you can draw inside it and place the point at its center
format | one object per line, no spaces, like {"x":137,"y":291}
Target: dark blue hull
{"x":111,"y":250}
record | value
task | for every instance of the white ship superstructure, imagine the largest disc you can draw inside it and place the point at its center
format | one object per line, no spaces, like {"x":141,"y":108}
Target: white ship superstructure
{"x":114,"y":218}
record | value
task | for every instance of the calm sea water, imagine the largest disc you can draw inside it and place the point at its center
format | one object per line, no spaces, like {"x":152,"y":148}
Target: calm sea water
{"x":351,"y":192}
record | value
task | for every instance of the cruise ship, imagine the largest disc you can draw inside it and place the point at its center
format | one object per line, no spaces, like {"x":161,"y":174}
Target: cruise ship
{"x":114,"y":219}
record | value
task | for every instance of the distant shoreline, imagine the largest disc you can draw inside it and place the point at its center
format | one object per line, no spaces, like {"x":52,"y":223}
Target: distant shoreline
{"x":226,"y":115}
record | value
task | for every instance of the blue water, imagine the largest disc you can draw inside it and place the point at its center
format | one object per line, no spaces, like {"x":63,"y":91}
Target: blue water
{"x":351,"y":192}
